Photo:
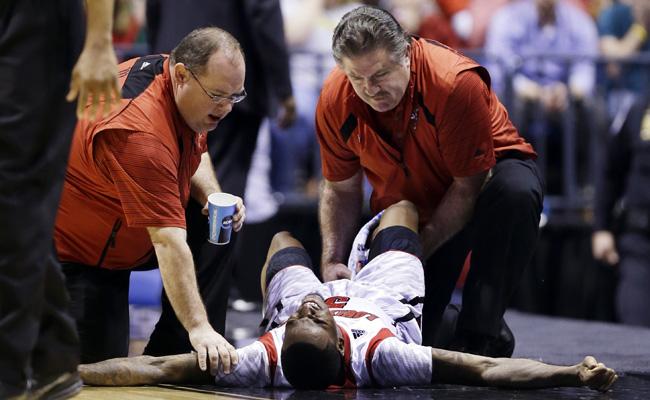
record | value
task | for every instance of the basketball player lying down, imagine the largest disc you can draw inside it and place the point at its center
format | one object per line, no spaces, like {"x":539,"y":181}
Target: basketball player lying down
{"x":356,"y":332}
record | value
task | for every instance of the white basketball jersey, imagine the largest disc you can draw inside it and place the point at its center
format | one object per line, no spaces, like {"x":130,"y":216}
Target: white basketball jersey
{"x":374,"y":355}
{"x":376,"y":314}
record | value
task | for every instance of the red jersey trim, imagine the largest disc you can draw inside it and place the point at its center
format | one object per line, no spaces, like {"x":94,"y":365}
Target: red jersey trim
{"x":272,"y":353}
{"x":350,"y":381}
{"x":372,"y":347}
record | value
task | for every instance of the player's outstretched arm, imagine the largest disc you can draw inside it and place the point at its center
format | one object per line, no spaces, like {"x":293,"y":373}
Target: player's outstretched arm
{"x":469,"y":369}
{"x":145,"y":370}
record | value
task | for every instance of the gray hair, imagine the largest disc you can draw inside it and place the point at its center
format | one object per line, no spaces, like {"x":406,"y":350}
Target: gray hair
{"x":198,"y":46}
{"x":366,"y":29}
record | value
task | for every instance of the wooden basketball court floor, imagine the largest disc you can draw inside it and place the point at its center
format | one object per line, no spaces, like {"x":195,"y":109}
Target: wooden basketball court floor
{"x":628,"y":387}
{"x":548,"y":339}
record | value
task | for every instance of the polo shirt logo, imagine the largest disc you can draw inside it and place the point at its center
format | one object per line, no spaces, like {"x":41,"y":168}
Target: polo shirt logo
{"x":139,"y":79}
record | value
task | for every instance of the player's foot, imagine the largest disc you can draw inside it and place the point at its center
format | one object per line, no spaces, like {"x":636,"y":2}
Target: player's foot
{"x":596,"y":375}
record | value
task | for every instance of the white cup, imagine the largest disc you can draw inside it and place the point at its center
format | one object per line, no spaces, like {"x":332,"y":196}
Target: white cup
{"x":221,"y":208}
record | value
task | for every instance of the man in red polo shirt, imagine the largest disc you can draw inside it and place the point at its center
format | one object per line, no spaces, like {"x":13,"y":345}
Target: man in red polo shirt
{"x":129,"y":179}
{"x":420,"y":121}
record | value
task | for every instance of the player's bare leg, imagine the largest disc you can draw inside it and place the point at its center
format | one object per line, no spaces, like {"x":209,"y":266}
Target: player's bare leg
{"x":402,"y":213}
{"x":144,"y":370}
{"x":281,"y":240}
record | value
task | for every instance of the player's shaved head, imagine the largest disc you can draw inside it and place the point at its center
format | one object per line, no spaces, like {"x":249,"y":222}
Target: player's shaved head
{"x":307,"y":364}
{"x":311,"y":353}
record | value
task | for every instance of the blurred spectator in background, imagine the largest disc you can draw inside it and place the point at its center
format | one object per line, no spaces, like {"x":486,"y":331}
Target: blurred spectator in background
{"x":528,"y":40}
{"x":257,"y":25}
{"x":539,"y":27}
{"x":623,"y":238}
{"x":308,"y":25}
{"x":470,"y":18}
{"x":461,"y":18}
{"x":623,"y":27}
{"x":129,"y":30}
{"x":128,"y":23}
{"x":424,"y":18}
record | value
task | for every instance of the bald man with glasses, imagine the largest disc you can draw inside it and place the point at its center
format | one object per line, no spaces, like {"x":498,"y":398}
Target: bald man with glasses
{"x":129,"y":180}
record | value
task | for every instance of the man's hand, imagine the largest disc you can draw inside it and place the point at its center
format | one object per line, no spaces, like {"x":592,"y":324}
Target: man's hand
{"x":240,"y":215}
{"x":287,"y":112}
{"x":94,"y":79}
{"x":334,"y":271}
{"x":237,"y":219}
{"x":212,"y":348}
{"x":603,"y":247}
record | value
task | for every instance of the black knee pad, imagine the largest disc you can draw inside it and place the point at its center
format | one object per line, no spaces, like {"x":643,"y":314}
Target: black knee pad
{"x":398,"y":238}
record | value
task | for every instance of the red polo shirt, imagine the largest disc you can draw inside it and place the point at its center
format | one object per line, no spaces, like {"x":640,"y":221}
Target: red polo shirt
{"x":129,"y":171}
{"x":448,"y":124}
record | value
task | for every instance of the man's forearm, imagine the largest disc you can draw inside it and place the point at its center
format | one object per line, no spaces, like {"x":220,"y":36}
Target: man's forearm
{"x":452,"y":214}
{"x":339,"y":211}
{"x":100,"y":23}
{"x":179,"y":279}
{"x":204,"y":181}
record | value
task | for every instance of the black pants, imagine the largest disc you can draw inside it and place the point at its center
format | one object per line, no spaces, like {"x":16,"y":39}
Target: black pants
{"x":39,"y":43}
{"x":231,"y":148}
{"x":632,"y":295}
{"x":502,"y":236}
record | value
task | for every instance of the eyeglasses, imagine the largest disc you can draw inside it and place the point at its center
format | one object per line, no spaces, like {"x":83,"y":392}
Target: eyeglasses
{"x":218,"y":99}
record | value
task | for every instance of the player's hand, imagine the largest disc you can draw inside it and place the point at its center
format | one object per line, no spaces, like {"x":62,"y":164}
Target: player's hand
{"x":603,"y":247}
{"x":596,"y":375}
{"x":94,"y":79}
{"x":334,"y":271}
{"x":212,"y":349}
